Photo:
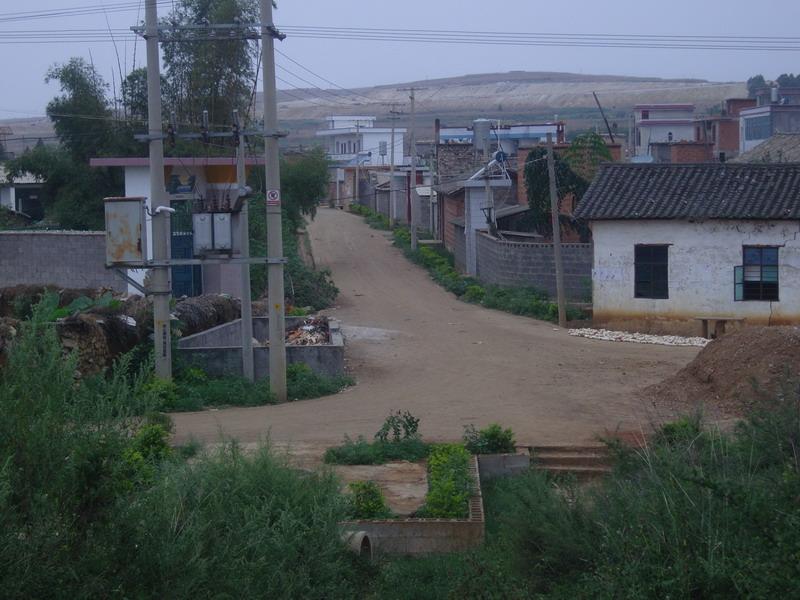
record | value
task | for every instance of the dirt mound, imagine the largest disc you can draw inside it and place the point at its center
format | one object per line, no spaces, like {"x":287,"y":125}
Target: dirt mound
{"x":732,"y":373}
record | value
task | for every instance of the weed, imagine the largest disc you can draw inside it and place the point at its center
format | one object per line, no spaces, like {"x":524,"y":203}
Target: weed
{"x":367,"y":501}
{"x":401,"y":425}
{"x":362,"y":452}
{"x":490,"y":440}
{"x":303,"y":383}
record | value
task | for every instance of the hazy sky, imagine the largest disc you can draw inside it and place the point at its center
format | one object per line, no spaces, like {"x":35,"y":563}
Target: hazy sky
{"x":362,"y":63}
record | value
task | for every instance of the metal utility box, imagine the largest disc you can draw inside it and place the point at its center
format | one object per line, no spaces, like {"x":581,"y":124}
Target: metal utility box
{"x":126,"y":231}
{"x":223,"y":233}
{"x":202,"y":225}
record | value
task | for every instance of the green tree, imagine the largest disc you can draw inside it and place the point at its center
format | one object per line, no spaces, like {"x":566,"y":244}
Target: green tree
{"x":84,"y":123}
{"x":304,"y":182}
{"x":81,"y":115}
{"x":218,"y":76}
{"x":754,"y":84}
{"x":575,"y":167}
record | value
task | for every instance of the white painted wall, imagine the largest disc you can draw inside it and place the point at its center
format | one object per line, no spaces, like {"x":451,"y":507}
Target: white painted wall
{"x":7,"y":197}
{"x":702,"y":257}
{"x":652,"y":134}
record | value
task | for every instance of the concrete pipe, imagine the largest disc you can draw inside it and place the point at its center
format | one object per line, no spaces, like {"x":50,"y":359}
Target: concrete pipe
{"x":359,"y":542}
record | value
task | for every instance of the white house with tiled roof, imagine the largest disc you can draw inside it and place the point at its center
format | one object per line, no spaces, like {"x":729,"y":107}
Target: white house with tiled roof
{"x":674,"y":244}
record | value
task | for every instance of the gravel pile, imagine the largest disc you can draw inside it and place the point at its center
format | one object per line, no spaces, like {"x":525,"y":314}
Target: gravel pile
{"x":639,"y":338}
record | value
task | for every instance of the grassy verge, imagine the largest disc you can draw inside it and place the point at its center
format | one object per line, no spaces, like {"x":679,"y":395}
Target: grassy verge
{"x":193,"y":390}
{"x":528,"y":302}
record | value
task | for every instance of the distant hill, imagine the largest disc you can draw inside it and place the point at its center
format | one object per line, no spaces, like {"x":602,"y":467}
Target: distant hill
{"x":515,"y":96}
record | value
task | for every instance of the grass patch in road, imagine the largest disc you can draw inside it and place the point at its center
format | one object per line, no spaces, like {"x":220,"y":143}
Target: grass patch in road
{"x":363,"y":452}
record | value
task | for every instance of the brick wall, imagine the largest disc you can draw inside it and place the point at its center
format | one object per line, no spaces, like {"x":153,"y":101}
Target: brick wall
{"x":453,"y":208}
{"x":691,"y":152}
{"x":73,"y":259}
{"x":521,"y":264}
{"x":728,"y":137}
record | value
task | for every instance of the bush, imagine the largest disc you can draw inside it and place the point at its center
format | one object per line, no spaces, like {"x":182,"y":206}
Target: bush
{"x":401,"y":426}
{"x":367,"y":501}
{"x":449,"y":483}
{"x":490,"y":440}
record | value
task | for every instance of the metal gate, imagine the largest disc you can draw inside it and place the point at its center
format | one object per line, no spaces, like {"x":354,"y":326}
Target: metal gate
{"x":186,"y":281}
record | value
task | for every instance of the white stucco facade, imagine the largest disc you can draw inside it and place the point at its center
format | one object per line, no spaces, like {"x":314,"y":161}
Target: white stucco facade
{"x":659,"y":123}
{"x":349,"y":137}
{"x":7,"y":197}
{"x":701,"y":261}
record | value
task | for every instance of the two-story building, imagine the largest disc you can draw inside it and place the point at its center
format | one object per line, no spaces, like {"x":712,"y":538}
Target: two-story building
{"x":777,"y":110}
{"x":660,"y":123}
{"x":348,"y":139}
{"x":722,"y":130}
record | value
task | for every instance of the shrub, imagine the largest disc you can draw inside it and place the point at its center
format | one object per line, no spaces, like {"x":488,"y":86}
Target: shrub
{"x":474,"y":293}
{"x":490,"y":440}
{"x":449,"y":483}
{"x":367,"y":501}
{"x":401,"y":426}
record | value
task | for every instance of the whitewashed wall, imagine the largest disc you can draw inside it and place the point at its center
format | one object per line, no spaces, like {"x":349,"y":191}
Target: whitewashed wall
{"x":702,"y":257}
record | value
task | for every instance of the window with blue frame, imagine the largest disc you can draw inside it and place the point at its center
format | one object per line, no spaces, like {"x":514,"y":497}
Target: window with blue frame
{"x":757,"y":277}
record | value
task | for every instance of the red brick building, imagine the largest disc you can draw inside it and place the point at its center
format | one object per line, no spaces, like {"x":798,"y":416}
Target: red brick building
{"x":722,"y":131}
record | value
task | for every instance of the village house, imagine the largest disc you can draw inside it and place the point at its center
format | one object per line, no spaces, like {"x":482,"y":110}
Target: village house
{"x":675,"y":243}
{"x":777,"y":110}
{"x":660,"y":123}
{"x":23,"y":194}
{"x":721,"y":130}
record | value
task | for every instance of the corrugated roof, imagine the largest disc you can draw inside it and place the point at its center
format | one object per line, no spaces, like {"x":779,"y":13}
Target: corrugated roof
{"x":693,"y":191}
{"x":780,"y":148}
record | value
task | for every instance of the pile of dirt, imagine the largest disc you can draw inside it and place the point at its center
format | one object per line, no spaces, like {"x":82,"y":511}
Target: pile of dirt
{"x":734,"y":372}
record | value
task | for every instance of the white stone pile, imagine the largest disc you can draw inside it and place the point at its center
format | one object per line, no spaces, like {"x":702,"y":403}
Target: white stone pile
{"x":639,"y":338}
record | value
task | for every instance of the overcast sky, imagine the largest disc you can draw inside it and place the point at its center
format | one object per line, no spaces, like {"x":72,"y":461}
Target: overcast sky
{"x":362,"y":63}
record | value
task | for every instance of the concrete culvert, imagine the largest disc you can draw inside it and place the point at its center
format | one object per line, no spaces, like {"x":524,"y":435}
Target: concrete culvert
{"x":360,"y":543}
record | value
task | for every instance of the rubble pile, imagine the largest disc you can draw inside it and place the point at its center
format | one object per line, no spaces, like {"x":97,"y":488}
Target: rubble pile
{"x":735,"y":372}
{"x":639,"y":338}
{"x":311,"y":332}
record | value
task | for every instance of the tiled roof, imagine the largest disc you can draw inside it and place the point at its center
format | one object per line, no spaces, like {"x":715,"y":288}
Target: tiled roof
{"x":693,"y":191}
{"x":780,"y":148}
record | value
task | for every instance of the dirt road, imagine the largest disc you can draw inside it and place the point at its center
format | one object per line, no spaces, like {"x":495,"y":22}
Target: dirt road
{"x":411,"y":345}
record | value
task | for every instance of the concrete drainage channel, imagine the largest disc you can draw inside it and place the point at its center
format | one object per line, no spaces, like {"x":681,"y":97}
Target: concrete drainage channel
{"x":412,"y":536}
{"x":420,"y":536}
{"x":218,"y":351}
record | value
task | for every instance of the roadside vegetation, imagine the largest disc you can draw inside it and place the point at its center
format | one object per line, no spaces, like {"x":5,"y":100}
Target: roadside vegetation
{"x":528,"y":302}
{"x":94,"y":502}
{"x":397,"y":439}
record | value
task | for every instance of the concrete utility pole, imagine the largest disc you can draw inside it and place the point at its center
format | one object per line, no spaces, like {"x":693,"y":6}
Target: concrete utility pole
{"x":392,"y":212}
{"x":277,"y":319}
{"x":413,"y":180}
{"x":160,"y":287}
{"x":248,"y":369}
{"x":551,"y":173}
{"x":356,"y":190}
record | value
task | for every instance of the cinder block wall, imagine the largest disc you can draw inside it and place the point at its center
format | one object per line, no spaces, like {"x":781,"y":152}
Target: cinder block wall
{"x":70,"y":259}
{"x":521,"y":264}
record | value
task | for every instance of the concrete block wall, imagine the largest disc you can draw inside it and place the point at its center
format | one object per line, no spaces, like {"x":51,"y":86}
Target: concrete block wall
{"x":521,"y":264}
{"x":69,"y":259}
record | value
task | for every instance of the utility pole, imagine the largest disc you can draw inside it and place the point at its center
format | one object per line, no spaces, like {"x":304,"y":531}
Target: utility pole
{"x":413,"y":180}
{"x":392,"y":212}
{"x":551,"y":173}
{"x":603,"y":114}
{"x":160,"y":288}
{"x":277,"y":319}
{"x":248,"y":369}
{"x":356,"y":191}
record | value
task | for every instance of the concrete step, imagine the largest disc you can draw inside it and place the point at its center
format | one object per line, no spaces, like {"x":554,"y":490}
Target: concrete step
{"x":580,"y":472}
{"x":577,"y":459}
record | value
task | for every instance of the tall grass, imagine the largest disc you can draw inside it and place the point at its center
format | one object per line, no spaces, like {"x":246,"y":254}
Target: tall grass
{"x":93,"y":504}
